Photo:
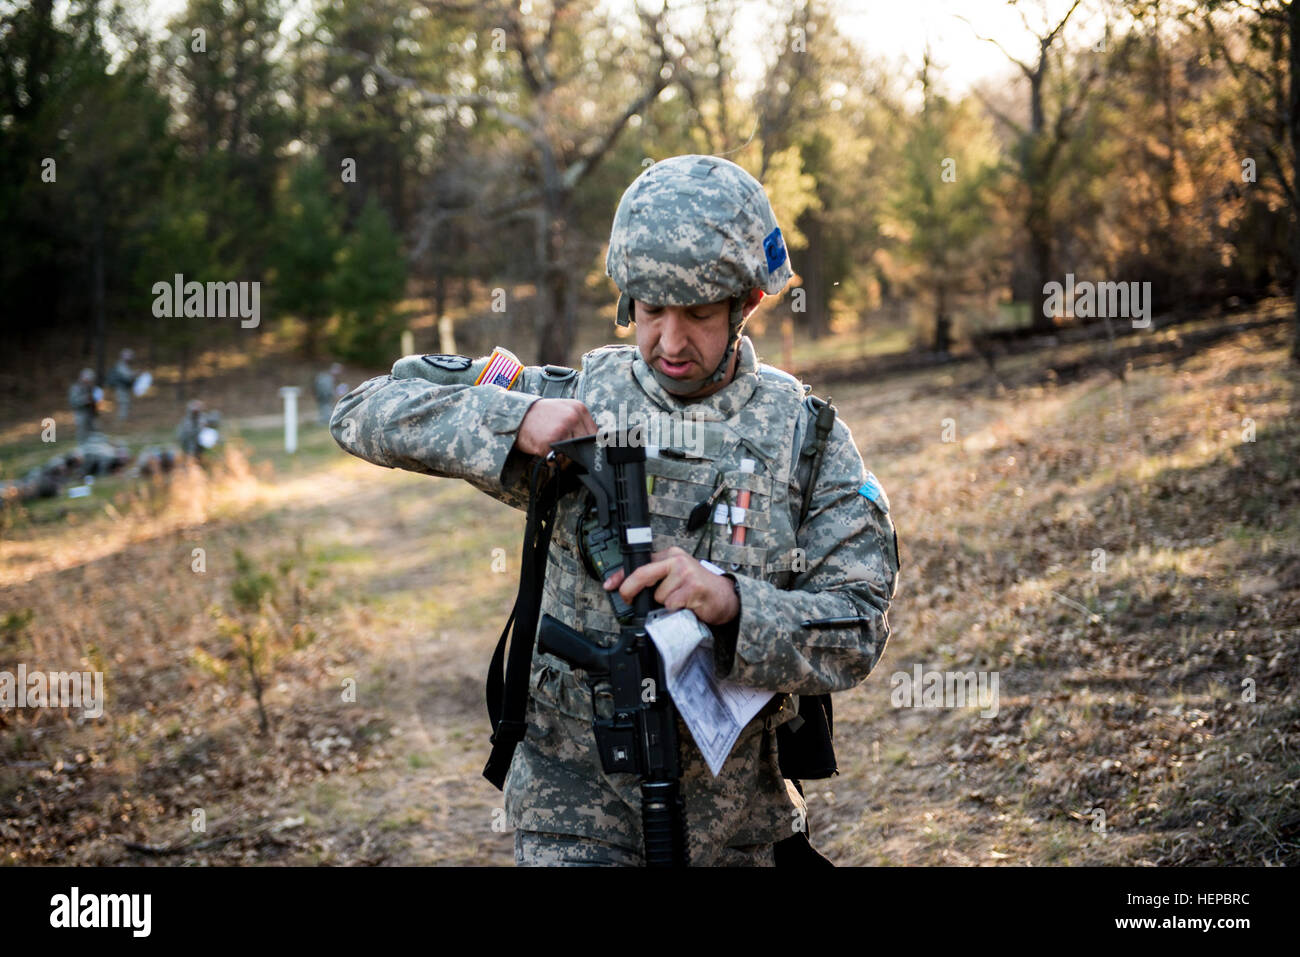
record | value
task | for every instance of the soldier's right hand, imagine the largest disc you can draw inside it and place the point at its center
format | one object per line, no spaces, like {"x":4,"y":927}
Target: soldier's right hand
{"x":552,"y":420}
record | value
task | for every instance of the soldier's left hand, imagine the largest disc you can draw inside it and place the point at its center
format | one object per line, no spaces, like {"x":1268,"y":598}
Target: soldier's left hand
{"x":683,"y":583}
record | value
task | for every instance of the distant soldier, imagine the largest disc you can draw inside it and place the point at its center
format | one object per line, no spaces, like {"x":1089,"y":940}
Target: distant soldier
{"x":326,"y":394}
{"x":100,"y":455}
{"x":154,"y":460}
{"x":197,"y":431}
{"x":122,"y":380}
{"x":84,"y":399}
{"x":45,"y":481}
{"x":187,"y":433}
{"x":50,"y":478}
{"x":41,"y":483}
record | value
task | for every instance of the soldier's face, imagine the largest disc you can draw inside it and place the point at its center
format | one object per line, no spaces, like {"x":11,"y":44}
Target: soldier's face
{"x":687,"y":342}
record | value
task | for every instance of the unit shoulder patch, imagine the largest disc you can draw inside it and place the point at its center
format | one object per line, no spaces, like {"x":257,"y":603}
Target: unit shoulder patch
{"x":874,"y":492}
{"x":448,"y":362}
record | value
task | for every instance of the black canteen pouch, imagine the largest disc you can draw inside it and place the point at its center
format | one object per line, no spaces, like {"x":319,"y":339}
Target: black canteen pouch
{"x":805,"y":749}
{"x":805,"y":752}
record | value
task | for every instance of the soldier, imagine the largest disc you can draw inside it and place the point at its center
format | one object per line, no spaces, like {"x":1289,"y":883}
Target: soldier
{"x":189,"y":432}
{"x":85,"y":403}
{"x":122,"y":379}
{"x":325,"y":396}
{"x":153,"y":460}
{"x":694,"y":247}
{"x":100,"y":455}
{"x":45,"y":482}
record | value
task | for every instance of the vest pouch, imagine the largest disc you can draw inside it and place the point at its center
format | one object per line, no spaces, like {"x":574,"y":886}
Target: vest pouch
{"x":805,"y":751}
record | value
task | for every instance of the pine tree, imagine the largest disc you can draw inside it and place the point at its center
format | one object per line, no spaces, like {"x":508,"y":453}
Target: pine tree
{"x":307,"y":244}
{"x":368,"y":283}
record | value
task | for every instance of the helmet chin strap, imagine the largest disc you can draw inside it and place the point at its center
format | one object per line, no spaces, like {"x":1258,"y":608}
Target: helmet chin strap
{"x":682,"y":387}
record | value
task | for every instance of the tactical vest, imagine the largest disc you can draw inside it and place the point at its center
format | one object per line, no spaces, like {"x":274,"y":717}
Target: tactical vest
{"x":693,"y":462}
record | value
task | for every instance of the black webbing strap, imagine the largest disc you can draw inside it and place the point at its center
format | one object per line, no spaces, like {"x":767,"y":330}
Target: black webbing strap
{"x":814,"y":446}
{"x":507,"y":682}
{"x":805,"y":746}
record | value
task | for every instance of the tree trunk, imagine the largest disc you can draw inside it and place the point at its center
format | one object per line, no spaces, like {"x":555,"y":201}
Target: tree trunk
{"x":309,"y":336}
{"x":439,"y":294}
{"x":1040,"y":256}
{"x":441,"y":321}
{"x":1293,"y":20}
{"x":97,"y":296}
{"x":556,"y":304}
{"x":182,"y":384}
{"x":942,"y":324}
{"x":816,"y":320}
{"x":555,"y":308}
{"x":1038,"y":222}
{"x":1295,"y":291}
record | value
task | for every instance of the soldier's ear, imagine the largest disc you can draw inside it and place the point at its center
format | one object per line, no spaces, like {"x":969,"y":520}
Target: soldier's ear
{"x":751,"y":301}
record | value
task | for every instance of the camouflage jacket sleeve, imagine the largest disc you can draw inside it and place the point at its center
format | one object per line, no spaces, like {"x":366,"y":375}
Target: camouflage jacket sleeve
{"x":851,"y":565}
{"x":433,"y":420}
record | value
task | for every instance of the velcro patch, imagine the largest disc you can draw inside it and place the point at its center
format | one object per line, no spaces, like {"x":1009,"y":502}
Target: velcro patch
{"x":774,"y":249}
{"x":450,"y":363}
{"x":872,"y":490}
{"x":502,"y":369}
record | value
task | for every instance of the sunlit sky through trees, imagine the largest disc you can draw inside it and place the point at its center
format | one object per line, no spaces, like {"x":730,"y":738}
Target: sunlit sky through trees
{"x":895,"y":32}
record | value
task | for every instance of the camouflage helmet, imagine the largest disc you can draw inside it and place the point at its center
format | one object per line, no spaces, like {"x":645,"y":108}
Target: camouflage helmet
{"x":692,"y":230}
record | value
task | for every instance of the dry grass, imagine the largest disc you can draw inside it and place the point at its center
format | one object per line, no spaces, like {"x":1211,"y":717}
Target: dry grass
{"x":1121,"y":689}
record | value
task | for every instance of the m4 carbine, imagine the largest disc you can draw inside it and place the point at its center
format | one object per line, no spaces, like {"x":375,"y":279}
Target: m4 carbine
{"x":633,"y":718}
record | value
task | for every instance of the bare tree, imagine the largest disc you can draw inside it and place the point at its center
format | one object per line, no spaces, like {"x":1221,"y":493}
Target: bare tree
{"x":558,"y":157}
{"x":1273,"y":103}
{"x":1040,"y":146}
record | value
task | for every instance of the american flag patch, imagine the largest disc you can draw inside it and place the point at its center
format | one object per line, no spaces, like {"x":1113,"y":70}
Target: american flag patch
{"x":502,"y":369}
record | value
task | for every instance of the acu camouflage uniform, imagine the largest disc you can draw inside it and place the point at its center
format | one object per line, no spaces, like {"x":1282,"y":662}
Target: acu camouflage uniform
{"x":689,"y":230}
{"x":122,"y":379}
{"x":195,"y":421}
{"x":81,"y":396}
{"x":323,"y":387}
{"x":427,"y":418}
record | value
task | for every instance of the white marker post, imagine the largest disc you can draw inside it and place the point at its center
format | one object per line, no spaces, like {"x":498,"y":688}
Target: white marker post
{"x":290,"y":394}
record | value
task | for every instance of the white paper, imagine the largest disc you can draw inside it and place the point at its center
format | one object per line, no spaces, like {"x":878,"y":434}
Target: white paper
{"x":715,"y":711}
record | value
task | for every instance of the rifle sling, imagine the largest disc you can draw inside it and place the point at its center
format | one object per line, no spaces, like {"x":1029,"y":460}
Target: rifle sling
{"x":507,"y":682}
